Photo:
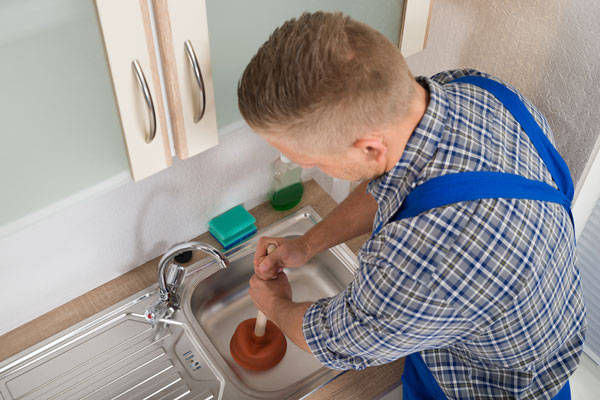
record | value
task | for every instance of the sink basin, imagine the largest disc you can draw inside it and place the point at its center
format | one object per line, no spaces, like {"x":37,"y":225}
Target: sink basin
{"x":217,"y":303}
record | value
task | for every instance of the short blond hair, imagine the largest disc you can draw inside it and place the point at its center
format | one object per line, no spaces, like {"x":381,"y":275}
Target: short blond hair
{"x":321,"y":81}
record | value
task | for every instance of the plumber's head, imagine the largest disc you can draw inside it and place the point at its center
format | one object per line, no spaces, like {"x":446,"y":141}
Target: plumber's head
{"x":324,"y":89}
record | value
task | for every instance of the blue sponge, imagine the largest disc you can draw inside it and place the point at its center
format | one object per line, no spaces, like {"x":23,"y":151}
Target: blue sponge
{"x":232,"y":227}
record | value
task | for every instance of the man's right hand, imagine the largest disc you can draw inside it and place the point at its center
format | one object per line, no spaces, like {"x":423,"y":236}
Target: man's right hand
{"x":289,"y":253}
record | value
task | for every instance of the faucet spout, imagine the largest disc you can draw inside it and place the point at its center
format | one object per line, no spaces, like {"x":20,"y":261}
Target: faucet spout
{"x":170,"y":280}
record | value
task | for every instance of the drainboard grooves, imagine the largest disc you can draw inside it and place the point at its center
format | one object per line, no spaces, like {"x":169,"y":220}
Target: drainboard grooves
{"x":168,"y":384}
{"x":185,"y":394}
{"x":181,"y":392}
{"x":79,"y":361}
{"x":146,"y":386}
{"x":203,"y":396}
{"x":121,"y":379}
{"x":91,"y":370}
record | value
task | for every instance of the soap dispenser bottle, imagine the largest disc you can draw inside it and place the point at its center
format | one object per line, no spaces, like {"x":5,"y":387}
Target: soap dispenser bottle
{"x":287,"y":188}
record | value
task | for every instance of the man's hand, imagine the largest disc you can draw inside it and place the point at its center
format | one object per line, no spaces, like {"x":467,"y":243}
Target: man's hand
{"x":352,"y":218}
{"x":289,"y":253}
{"x":274,"y":298}
{"x":270,"y":295}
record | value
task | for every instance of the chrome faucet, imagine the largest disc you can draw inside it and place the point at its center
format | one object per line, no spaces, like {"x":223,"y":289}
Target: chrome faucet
{"x":170,"y":277}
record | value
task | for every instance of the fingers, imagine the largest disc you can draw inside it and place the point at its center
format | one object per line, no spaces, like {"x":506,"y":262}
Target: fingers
{"x":256,"y":283}
{"x":261,"y":248}
{"x":253,"y":281}
{"x":266,"y":266}
{"x":283,"y":276}
{"x":266,"y":295}
{"x":261,"y":251}
{"x":288,"y":253}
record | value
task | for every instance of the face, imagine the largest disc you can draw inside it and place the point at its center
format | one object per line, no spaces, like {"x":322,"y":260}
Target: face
{"x":354,"y":164}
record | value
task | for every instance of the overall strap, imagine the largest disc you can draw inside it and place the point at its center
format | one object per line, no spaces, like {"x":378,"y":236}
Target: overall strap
{"x":475,"y":185}
{"x":548,"y":153}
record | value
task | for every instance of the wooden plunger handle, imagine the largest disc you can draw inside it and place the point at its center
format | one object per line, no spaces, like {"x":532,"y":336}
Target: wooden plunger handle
{"x":261,"y":319}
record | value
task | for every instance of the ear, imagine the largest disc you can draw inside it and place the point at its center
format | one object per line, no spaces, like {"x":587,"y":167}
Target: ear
{"x":372,"y":146}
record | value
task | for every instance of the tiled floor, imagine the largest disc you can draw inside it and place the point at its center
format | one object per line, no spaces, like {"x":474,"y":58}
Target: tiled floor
{"x":585,"y":383}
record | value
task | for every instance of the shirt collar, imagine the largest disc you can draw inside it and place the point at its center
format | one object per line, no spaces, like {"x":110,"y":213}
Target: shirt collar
{"x":391,"y":188}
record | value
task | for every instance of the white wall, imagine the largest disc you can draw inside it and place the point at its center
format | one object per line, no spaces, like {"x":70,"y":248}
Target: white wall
{"x":549,"y":49}
{"x":87,"y":244}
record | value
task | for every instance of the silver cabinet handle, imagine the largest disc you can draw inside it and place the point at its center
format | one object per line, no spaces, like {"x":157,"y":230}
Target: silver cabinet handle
{"x":135,"y":64}
{"x":191,"y":55}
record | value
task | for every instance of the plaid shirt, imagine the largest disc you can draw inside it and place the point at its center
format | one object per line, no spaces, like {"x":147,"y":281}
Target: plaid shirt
{"x":487,"y":291}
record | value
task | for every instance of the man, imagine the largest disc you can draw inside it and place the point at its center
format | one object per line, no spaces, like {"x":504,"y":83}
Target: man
{"x":469,"y":272}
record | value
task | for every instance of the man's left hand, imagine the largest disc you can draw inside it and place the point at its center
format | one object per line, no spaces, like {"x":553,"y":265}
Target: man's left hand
{"x":268,"y":295}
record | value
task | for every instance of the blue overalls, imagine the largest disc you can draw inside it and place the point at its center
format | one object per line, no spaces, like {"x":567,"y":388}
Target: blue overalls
{"x":418,"y":382}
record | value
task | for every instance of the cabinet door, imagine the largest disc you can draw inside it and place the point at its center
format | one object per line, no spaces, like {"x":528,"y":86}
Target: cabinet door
{"x":128,"y":39}
{"x":185,"y":52}
{"x":60,"y":135}
{"x":416,"y":16}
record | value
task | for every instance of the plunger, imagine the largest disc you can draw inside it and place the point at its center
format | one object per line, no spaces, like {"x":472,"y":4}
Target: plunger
{"x":257,"y":344}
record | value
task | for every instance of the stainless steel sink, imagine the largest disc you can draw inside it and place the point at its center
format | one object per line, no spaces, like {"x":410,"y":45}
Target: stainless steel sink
{"x":221,"y":302}
{"x":117,"y":354}
{"x":216,"y":304}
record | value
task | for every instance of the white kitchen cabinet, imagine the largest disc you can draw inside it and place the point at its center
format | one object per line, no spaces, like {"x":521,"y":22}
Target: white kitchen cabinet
{"x":127,"y":31}
{"x":185,"y":52}
{"x":60,"y":131}
{"x":182,"y":36}
{"x":416,"y":16}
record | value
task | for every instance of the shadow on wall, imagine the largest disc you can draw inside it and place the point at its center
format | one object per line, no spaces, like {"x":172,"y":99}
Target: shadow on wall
{"x":547,"y":49}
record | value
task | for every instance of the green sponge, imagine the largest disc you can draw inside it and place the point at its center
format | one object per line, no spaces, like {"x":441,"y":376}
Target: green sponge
{"x":233,"y":226}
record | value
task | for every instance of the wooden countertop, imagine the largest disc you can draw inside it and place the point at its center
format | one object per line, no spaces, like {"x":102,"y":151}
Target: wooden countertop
{"x":370,"y":383}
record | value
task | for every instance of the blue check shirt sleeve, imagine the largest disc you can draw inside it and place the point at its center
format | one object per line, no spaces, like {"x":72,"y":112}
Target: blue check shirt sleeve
{"x":386,"y":313}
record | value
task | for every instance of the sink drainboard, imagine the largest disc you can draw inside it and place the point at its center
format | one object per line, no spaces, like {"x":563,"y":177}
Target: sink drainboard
{"x":114,"y":357}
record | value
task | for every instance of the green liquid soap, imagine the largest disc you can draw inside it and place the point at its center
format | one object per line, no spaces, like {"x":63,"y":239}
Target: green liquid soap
{"x":288,"y":197}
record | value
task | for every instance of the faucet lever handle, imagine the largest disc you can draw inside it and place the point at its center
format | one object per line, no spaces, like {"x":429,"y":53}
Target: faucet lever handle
{"x":156,"y":312}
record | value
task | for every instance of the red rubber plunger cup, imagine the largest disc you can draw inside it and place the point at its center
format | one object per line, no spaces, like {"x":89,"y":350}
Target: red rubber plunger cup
{"x":257,"y":353}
